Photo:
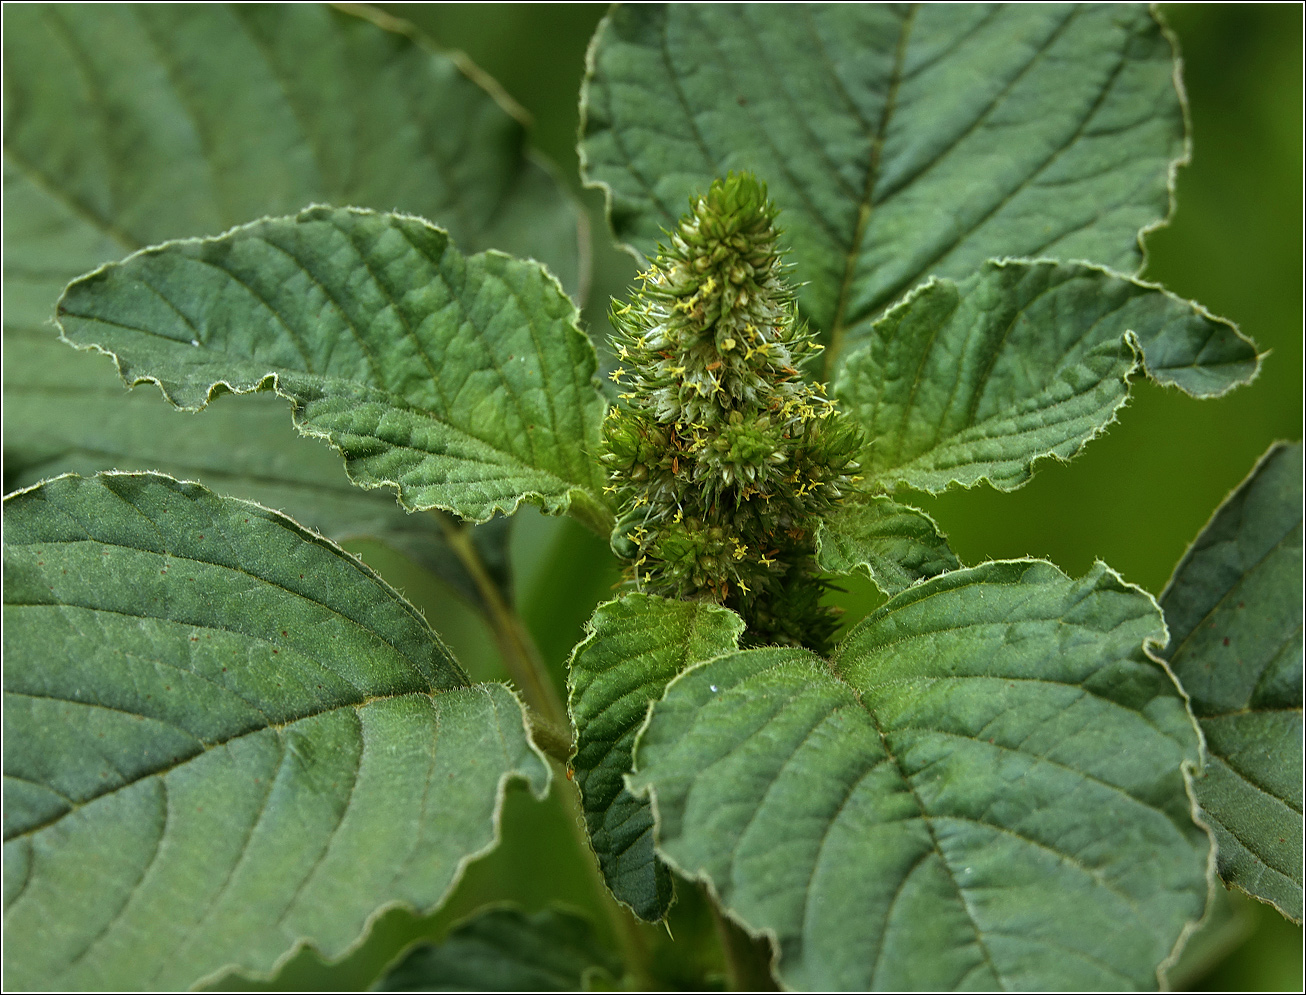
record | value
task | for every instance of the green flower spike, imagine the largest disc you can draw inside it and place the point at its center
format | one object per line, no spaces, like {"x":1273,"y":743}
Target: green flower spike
{"x":722,"y":456}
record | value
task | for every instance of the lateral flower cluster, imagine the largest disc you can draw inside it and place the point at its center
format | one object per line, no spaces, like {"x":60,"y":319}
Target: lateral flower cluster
{"x":722,"y":456}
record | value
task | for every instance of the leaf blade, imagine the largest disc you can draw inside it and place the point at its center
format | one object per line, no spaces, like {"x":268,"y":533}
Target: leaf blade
{"x":971,"y":381}
{"x":894,"y":545}
{"x":917,"y":853}
{"x":913,"y":141}
{"x":242,"y":726}
{"x":241,"y":449}
{"x":1234,"y":608}
{"x":257,"y":112}
{"x":463,"y":383}
{"x":633,"y":647}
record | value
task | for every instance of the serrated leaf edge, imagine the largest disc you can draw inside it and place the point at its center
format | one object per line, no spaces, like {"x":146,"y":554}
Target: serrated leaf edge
{"x":589,"y":508}
{"x":1150,"y":647}
{"x":539,"y":793}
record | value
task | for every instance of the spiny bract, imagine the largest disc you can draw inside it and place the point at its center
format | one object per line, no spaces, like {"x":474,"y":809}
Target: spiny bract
{"x":723,"y":458}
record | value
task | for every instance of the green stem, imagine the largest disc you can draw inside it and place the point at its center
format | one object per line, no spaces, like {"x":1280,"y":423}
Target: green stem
{"x":748,"y":958}
{"x":521,"y":658}
{"x":551,"y":731}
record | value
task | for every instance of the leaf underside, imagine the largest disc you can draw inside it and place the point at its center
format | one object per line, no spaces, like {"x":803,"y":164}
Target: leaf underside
{"x":505,"y":950}
{"x":984,"y":789}
{"x":223,"y":737}
{"x":634,"y":646}
{"x":900,"y":140}
{"x":462,"y":382}
{"x":975,"y":380}
{"x":1234,"y":608}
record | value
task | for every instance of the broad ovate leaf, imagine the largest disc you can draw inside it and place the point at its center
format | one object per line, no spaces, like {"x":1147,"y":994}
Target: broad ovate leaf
{"x":900,"y":140}
{"x":1234,"y":607}
{"x":127,"y":125}
{"x":634,"y":646}
{"x":461,"y":382}
{"x":505,"y":950}
{"x":224,"y":737}
{"x":984,"y":789}
{"x":975,"y":380}
{"x":241,"y":448}
{"x":893,"y":544}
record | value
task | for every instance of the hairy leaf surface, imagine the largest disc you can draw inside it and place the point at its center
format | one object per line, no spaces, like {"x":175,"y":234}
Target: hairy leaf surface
{"x":1234,"y":607}
{"x":223,"y":737}
{"x":893,"y":544}
{"x":975,"y":380}
{"x":634,"y":647}
{"x":505,"y":950}
{"x":241,"y":448}
{"x":985,"y":789}
{"x":462,"y":382}
{"x":126,"y":126}
{"x":901,"y":140}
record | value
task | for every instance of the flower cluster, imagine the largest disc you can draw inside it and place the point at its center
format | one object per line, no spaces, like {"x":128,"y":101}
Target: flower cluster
{"x":722,"y":456}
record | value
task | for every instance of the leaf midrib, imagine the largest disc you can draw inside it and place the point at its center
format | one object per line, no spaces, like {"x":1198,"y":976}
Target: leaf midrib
{"x":207,"y":746}
{"x":837,"y":329}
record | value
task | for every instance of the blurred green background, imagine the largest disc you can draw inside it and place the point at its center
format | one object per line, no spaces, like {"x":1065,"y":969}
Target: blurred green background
{"x":1134,"y":499}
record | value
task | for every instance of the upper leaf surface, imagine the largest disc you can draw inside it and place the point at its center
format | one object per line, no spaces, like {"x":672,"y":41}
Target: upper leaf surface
{"x":505,"y":950}
{"x":974,"y":380}
{"x":902,"y":141}
{"x":984,"y":790}
{"x":893,"y":544}
{"x":634,"y":647}
{"x":223,"y":737}
{"x":462,"y":382}
{"x":241,"y":448}
{"x":127,"y":125}
{"x":1234,"y":607}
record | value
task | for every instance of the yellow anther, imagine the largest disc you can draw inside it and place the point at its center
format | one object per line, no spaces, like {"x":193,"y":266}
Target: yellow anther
{"x":616,"y":374}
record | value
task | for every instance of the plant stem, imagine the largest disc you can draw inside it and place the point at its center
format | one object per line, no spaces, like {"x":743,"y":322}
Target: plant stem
{"x":748,"y":959}
{"x":521,"y":658}
{"x":551,"y":731}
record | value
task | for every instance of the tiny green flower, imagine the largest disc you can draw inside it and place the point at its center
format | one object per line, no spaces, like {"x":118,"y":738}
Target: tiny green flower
{"x":723,"y":457}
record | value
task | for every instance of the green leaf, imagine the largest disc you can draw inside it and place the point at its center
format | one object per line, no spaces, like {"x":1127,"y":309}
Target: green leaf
{"x":900,"y":141}
{"x":634,"y":646}
{"x":892,"y":544}
{"x":1234,"y":607}
{"x":970,"y":381}
{"x":505,"y":950}
{"x":240,"y":448}
{"x":985,"y":789}
{"x":462,"y":382}
{"x":128,"y":125}
{"x":223,"y":737}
